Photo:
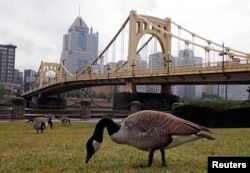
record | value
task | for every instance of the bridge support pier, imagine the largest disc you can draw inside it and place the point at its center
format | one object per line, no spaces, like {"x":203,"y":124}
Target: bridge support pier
{"x":130,"y":87}
{"x":135,"y":106}
{"x":85,"y":109}
{"x":248,"y":93}
{"x":18,"y":108}
{"x":166,"y":89}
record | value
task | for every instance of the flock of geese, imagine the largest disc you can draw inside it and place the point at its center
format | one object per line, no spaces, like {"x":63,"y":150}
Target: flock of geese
{"x":40,"y":123}
{"x":145,"y":130}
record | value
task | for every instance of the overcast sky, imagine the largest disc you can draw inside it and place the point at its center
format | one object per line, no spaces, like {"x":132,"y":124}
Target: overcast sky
{"x":37,"y":27}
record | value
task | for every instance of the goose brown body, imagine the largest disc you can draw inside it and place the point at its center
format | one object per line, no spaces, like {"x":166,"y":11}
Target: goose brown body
{"x":65,"y":120}
{"x":150,"y":131}
{"x":40,"y":123}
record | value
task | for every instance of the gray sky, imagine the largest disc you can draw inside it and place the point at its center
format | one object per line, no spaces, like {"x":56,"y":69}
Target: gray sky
{"x":37,"y":26}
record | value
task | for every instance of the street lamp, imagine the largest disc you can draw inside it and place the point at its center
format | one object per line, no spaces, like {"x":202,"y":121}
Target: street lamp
{"x":222,"y":54}
{"x":90,"y":72}
{"x":133,"y":66}
{"x":56,"y":77}
{"x":108,"y":68}
{"x":168,"y":61}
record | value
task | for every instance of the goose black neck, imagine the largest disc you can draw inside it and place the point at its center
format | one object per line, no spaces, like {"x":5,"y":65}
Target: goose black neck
{"x":105,"y":122}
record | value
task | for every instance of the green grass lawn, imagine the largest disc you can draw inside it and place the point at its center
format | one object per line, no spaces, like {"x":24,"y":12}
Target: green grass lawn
{"x":62,"y":149}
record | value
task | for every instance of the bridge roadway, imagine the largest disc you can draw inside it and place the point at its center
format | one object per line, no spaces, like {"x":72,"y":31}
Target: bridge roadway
{"x":228,"y":73}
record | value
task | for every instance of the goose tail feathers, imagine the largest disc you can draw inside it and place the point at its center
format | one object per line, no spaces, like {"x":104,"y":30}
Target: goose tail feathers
{"x":206,"y":129}
{"x":205,"y":136}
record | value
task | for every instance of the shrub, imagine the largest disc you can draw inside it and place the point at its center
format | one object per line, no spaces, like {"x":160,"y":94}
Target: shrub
{"x":216,"y":113}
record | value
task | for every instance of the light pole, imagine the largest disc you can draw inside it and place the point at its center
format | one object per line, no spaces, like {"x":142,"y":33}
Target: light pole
{"x":168,"y":61}
{"x":222,"y":54}
{"x":108,"y":68}
{"x":151,"y":63}
{"x":56,"y":78}
{"x":223,"y":63}
{"x":90,"y":72}
{"x":133,"y":66}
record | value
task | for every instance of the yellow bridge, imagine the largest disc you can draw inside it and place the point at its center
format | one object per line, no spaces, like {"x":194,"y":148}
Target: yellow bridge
{"x":232,"y":68}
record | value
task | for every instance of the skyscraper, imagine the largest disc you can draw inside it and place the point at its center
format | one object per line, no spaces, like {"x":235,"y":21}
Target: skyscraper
{"x":7,"y":63}
{"x":29,"y":77}
{"x":80,"y":46}
{"x":155,"y":61}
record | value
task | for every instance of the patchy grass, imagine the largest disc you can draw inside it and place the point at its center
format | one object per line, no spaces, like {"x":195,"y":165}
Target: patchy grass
{"x":62,"y":149}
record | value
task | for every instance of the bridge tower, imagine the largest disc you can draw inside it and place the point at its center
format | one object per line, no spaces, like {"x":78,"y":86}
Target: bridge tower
{"x":46,"y":67}
{"x":48,"y":72}
{"x":140,"y":25}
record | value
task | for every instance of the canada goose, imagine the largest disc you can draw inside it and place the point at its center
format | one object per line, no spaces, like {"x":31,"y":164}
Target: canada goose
{"x":65,"y":120}
{"x":40,"y":123}
{"x":148,"y":131}
{"x":49,"y":116}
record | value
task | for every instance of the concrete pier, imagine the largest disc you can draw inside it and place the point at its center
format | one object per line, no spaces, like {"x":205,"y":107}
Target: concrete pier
{"x":18,"y":108}
{"x":85,"y":109}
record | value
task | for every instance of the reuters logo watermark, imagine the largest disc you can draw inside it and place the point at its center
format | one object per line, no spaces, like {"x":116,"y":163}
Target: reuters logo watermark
{"x":231,"y":164}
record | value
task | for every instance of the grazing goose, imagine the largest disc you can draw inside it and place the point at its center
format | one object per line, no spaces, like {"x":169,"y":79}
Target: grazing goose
{"x":148,"y":131}
{"x":40,"y":123}
{"x":65,"y":120}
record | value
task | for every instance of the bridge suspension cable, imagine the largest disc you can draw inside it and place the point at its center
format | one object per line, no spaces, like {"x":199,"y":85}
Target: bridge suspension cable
{"x":208,"y":48}
{"x":233,"y":53}
{"x":66,"y":70}
{"x":106,"y":48}
{"x":113,"y":51}
{"x":122,"y":45}
{"x":153,"y":33}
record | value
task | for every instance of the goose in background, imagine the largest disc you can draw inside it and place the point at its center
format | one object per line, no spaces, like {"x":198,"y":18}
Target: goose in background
{"x":149,"y":131}
{"x":65,"y":120}
{"x":49,"y":116}
{"x":40,"y":123}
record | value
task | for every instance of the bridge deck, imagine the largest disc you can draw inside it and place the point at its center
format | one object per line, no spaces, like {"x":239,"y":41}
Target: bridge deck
{"x":231,"y":73}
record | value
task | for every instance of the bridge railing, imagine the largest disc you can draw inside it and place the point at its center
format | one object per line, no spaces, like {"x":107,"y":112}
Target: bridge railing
{"x":214,"y":67}
{"x":172,"y":70}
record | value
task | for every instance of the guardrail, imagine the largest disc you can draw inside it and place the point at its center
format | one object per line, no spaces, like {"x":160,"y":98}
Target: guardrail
{"x":85,"y":110}
{"x":6,"y":113}
{"x":213,"y":67}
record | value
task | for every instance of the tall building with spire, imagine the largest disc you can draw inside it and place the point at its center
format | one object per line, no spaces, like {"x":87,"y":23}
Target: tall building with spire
{"x":80,"y":46}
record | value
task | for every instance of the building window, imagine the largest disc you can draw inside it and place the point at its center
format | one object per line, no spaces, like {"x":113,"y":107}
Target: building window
{"x":81,"y":41}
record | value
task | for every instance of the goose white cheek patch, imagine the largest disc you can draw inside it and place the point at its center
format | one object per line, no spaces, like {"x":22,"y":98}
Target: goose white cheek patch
{"x":96,"y":145}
